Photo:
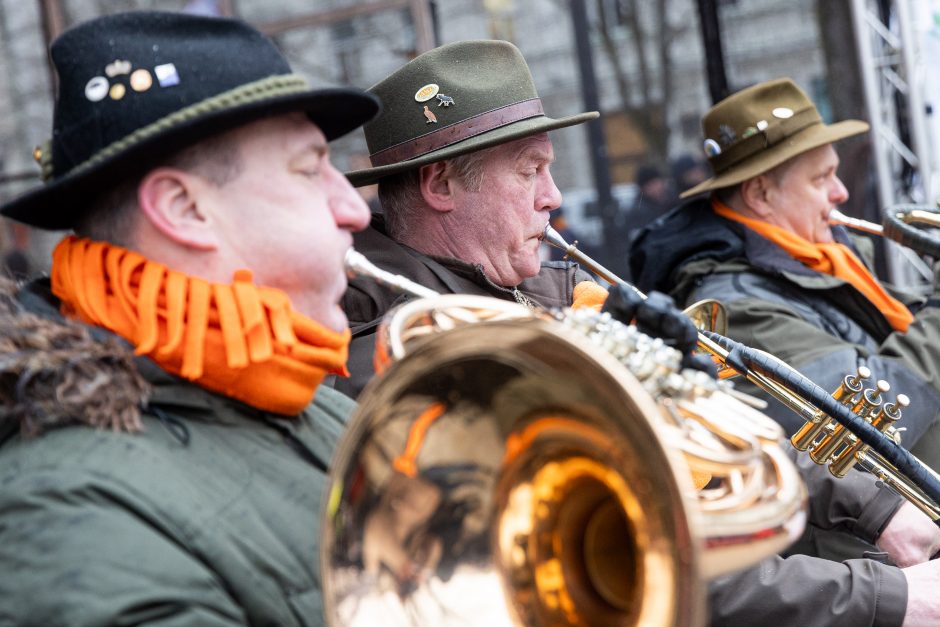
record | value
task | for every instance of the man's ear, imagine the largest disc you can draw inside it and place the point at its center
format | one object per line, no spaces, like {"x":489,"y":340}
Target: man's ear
{"x":437,"y":186}
{"x":755,"y":194}
{"x":169,"y":199}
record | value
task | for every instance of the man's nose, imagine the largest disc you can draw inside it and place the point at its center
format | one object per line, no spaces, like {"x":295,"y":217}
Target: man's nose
{"x":838,"y":194}
{"x":550,"y":197}
{"x":349,"y":208}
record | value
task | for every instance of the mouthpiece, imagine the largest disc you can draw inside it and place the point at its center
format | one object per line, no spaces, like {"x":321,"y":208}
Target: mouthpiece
{"x":357,"y":265}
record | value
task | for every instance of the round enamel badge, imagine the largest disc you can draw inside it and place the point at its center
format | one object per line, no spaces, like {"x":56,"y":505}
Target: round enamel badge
{"x":427,"y":92}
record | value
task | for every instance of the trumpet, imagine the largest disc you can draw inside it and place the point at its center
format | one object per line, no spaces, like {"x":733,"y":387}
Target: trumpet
{"x":843,"y":429}
{"x":899,"y":225}
{"x":523,"y":466}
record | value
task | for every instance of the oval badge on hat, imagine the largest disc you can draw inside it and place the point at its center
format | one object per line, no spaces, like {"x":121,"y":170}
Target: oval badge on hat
{"x":427,"y":92}
{"x":97,"y":88}
{"x":782,"y":112}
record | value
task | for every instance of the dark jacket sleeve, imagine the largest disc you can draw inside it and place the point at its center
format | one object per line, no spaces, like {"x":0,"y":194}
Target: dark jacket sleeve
{"x":802,"y":591}
{"x":815,"y":337}
{"x":856,"y":503}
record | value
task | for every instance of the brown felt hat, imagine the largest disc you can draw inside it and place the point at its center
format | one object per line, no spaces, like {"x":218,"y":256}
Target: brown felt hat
{"x":758,"y":128}
{"x":453,"y":100}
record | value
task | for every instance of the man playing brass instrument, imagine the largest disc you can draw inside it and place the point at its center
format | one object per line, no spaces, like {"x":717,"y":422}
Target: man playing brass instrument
{"x":463,"y":215}
{"x":180,"y":485}
{"x":761,"y":243}
{"x":465,"y":196}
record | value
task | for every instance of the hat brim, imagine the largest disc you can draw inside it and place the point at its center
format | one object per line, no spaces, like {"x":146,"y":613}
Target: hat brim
{"x":56,"y":205}
{"x":501,"y":135}
{"x":807,"y":139}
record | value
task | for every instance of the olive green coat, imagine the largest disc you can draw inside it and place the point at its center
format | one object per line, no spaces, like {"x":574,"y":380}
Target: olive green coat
{"x":209,"y":516}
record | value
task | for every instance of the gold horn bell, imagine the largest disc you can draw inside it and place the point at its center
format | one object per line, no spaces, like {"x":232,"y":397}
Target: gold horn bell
{"x":510,"y":467}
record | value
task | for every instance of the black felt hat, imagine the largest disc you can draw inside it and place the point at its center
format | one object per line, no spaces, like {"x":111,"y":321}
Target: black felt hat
{"x":451,"y":101}
{"x":137,"y":87}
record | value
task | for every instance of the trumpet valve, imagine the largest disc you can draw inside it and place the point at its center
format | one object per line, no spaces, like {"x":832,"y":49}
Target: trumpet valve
{"x":851,"y":385}
{"x":821,"y":425}
{"x":804,"y":438}
{"x":882,"y":419}
{"x":830,"y":446}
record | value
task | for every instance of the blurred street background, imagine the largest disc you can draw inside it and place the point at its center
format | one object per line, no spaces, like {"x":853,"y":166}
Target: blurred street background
{"x":652,"y":67}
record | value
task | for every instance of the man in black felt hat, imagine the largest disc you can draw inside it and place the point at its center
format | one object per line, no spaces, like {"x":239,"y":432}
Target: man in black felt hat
{"x":164,"y":438}
{"x":466,"y":191}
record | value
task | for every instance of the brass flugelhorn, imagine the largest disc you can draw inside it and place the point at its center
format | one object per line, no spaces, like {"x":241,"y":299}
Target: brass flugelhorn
{"x":899,"y":224}
{"x":518,"y":466}
{"x":842,"y":429}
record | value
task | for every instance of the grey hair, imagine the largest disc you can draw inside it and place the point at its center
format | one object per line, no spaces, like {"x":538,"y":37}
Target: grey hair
{"x":400,"y":194}
{"x":112,"y":215}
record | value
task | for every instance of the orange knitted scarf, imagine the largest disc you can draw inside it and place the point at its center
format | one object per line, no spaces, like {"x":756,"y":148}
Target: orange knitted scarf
{"x":243,"y":341}
{"x":833,"y":259}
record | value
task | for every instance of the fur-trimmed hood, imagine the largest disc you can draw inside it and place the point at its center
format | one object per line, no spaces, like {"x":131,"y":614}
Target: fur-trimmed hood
{"x":56,"y":372}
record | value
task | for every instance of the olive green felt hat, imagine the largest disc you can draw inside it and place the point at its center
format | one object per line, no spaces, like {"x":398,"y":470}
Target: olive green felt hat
{"x":453,"y":100}
{"x":758,"y":128}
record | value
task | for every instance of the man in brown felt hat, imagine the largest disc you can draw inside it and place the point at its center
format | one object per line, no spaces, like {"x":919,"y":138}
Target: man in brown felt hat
{"x":466,"y":192}
{"x":164,"y":439}
{"x":757,"y":238}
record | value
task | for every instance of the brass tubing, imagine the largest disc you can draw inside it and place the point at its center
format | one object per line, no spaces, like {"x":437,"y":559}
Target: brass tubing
{"x":840,"y":436}
{"x":916,"y":216}
{"x":884,"y":420}
{"x":851,"y":385}
{"x":874,"y":462}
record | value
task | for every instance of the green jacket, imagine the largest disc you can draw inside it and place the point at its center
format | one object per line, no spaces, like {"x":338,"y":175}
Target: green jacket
{"x":209,"y":516}
{"x":823,"y":327}
{"x":817,"y":323}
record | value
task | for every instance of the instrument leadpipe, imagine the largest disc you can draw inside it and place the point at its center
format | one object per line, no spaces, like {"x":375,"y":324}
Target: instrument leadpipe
{"x":899,"y":470}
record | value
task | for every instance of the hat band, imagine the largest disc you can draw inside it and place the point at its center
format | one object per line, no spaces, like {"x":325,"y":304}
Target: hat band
{"x":458,"y":131}
{"x":773,"y":134}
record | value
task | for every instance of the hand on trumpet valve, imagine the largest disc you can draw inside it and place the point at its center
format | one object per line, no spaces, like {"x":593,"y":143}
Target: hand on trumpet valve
{"x":658,"y":316}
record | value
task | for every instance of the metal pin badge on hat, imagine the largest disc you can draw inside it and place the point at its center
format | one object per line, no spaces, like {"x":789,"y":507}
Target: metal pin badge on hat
{"x":712,"y":149}
{"x":429,"y":116}
{"x":97,"y":88}
{"x":141,"y":80}
{"x":782,"y":113}
{"x":427,"y":92}
{"x":166,"y":74}
{"x":726,"y":135}
{"x":446,"y":101}
{"x":117,"y":67}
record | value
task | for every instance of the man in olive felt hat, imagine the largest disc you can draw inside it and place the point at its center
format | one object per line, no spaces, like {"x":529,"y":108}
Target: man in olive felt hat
{"x":462,"y":158}
{"x":164,"y":438}
{"x":757,"y":237}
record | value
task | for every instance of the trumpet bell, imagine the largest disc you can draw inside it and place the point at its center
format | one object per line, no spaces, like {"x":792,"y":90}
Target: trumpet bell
{"x":708,"y":315}
{"x":508,"y":472}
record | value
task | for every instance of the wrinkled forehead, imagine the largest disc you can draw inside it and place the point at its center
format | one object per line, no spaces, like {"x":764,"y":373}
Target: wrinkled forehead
{"x":537,"y":147}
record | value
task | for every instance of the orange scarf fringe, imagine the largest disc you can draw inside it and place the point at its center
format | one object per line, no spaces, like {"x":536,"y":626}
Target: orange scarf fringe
{"x":833,"y":259}
{"x":240,"y":340}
